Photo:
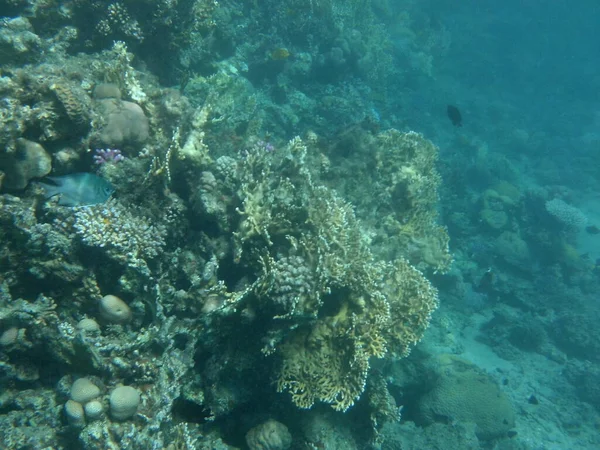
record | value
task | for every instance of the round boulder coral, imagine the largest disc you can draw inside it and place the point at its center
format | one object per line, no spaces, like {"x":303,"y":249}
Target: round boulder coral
{"x":124,"y":123}
{"x":124,"y":402}
{"x":83,"y":390}
{"x":463,"y":393}
{"x":74,"y":413}
{"x":28,"y":162}
{"x":93,"y":410}
{"x":270,"y":435}
{"x":107,"y":90}
{"x":114,"y":310}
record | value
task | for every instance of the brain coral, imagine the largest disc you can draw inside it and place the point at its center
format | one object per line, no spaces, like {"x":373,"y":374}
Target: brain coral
{"x":463,"y":393}
{"x":123,"y":122}
{"x":270,"y":435}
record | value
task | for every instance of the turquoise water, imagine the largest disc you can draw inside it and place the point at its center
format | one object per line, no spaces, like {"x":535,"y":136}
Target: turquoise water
{"x":334,"y":225}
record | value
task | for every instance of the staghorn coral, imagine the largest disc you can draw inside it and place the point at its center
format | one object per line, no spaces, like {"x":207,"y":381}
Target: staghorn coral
{"x":117,"y":20}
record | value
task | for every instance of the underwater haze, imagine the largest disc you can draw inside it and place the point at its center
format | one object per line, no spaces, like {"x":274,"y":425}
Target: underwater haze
{"x":299,"y":224}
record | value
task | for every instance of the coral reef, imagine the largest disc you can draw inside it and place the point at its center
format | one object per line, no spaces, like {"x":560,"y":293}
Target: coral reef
{"x":113,"y":227}
{"x":18,"y":42}
{"x":406,"y":164}
{"x":403,"y":216}
{"x":225,"y":256}
{"x":123,"y":123}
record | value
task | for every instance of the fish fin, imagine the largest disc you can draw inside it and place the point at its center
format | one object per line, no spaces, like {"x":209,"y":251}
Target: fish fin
{"x":67,"y":200}
{"x":49,"y":190}
{"x":59,"y":181}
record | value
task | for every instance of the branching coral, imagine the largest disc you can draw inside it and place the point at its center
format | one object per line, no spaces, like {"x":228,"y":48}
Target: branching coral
{"x":124,"y":235}
{"x":340,"y":305}
{"x":406,"y":170}
{"x":329,"y":361}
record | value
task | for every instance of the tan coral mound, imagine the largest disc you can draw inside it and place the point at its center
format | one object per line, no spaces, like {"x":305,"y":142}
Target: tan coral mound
{"x":464,"y":393}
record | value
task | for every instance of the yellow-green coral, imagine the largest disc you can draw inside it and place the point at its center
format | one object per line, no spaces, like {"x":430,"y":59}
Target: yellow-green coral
{"x":406,"y":171}
{"x":329,"y":360}
{"x":338,"y":304}
{"x":194,"y":150}
{"x":382,"y":406}
{"x":321,"y":363}
{"x":412,"y":300}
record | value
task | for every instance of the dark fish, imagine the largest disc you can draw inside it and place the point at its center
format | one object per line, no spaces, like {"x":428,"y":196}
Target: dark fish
{"x":592,"y":229}
{"x":454,"y":115}
{"x":78,"y":189}
{"x":486,"y":283}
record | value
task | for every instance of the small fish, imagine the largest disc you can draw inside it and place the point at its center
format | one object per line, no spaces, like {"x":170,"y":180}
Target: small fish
{"x":592,"y":229}
{"x":280,"y":54}
{"x":486,"y":283}
{"x":454,"y":115}
{"x":78,"y":189}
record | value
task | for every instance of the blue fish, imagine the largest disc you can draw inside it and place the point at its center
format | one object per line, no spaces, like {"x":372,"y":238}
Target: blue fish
{"x":79,"y":189}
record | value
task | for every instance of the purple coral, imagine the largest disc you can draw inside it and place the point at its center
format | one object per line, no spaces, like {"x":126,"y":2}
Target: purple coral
{"x":265,"y":146}
{"x":108,"y":155}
